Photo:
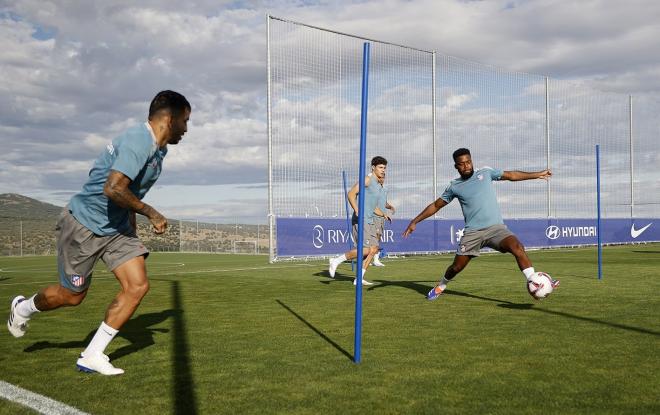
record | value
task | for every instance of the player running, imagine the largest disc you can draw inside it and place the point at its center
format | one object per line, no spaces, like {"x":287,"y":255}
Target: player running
{"x":99,"y":223}
{"x":373,"y":190}
{"x":483,"y":222}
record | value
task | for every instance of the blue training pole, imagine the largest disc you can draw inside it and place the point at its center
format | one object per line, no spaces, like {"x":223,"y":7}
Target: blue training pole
{"x":360,"y":241}
{"x":348,"y":216}
{"x":598,"y":222}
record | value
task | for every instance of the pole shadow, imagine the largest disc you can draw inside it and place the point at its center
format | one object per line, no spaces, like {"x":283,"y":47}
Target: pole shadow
{"x":185,"y":401}
{"x":317,"y":331}
{"x":528,"y":306}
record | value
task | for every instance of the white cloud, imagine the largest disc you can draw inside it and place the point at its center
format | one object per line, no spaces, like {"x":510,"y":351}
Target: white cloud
{"x":76,"y":74}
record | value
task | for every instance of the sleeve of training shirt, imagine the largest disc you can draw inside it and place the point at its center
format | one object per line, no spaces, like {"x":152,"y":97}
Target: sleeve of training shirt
{"x":448,"y":194}
{"x":495,"y":174}
{"x":133,"y":153}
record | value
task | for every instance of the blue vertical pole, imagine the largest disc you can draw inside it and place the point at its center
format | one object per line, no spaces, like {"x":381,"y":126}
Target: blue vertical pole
{"x":360,"y":241}
{"x":348,"y":215}
{"x":598,"y":224}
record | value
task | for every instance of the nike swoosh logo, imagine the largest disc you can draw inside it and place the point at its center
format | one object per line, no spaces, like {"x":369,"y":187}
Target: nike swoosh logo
{"x":636,"y":232}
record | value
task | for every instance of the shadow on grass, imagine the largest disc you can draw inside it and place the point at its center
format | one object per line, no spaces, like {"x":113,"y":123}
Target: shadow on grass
{"x":5,"y":278}
{"x":139,"y":332}
{"x":422,"y":289}
{"x":185,"y":401}
{"x":646,"y":252}
{"x":317,"y":331}
{"x":529,"y":306}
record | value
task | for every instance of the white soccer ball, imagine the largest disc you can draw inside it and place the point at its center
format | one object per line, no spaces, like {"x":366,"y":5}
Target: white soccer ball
{"x":539,"y":285}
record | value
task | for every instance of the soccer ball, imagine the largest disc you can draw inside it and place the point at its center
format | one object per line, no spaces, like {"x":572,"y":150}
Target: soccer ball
{"x":539,"y":285}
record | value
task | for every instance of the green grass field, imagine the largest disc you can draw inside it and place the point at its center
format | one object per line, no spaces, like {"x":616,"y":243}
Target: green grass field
{"x":233,"y":334}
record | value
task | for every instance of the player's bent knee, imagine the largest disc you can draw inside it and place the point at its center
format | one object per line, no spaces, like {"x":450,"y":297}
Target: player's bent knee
{"x":72,"y":298}
{"x":138,"y":291}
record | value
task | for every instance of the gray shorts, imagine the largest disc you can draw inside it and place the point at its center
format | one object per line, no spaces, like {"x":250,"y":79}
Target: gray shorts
{"x":473,"y":240}
{"x":79,"y":249}
{"x":370,"y":236}
{"x":379,"y":221}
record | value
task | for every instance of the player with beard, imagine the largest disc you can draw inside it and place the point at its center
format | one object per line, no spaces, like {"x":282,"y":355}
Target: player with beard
{"x":483,"y":222}
{"x":100,"y":223}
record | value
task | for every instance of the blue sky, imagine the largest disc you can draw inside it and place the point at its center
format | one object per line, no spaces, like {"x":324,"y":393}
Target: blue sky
{"x":76,"y":73}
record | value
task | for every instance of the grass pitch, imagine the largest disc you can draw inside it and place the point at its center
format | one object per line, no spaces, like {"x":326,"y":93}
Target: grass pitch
{"x":233,"y":334}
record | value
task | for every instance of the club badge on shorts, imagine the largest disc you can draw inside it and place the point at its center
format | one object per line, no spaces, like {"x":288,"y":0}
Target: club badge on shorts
{"x":77,"y":280}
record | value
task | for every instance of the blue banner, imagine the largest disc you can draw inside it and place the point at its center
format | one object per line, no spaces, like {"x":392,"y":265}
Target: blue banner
{"x":325,"y":237}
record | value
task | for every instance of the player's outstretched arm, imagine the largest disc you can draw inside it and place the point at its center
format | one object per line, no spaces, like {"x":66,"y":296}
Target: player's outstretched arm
{"x":116,"y":189}
{"x":430,"y":210}
{"x":516,"y":176}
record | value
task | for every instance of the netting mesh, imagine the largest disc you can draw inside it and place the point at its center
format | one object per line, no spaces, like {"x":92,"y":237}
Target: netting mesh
{"x":315,"y":116}
{"x":509,"y":120}
{"x":500,"y":117}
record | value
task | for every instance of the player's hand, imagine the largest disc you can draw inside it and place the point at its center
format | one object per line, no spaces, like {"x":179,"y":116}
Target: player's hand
{"x":386,"y":216}
{"x":410,"y":229}
{"x":159,"y":223}
{"x":545,"y":174}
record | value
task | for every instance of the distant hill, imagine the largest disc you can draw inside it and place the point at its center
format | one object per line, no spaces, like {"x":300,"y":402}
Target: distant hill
{"x":27,"y":227}
{"x":15,"y":206}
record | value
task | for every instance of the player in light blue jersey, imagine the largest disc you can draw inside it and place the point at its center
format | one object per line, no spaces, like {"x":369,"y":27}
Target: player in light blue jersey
{"x":483,"y":222}
{"x":384,"y":205}
{"x":99,"y":223}
{"x":373,"y":190}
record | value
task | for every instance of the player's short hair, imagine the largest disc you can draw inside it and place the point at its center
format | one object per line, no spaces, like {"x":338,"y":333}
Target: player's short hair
{"x":170,"y":101}
{"x":460,"y":152}
{"x":378,"y":160}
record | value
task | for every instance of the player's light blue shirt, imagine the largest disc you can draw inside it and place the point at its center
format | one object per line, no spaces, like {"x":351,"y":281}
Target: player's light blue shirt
{"x":477,"y":198}
{"x":136,"y":154}
{"x":382,"y":200}
{"x":373,"y":194}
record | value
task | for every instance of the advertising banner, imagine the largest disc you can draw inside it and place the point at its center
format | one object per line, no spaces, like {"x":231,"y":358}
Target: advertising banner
{"x":298,"y":237}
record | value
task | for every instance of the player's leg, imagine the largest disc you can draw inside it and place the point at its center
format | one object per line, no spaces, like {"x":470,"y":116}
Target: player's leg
{"x":125,"y":256}
{"x":381,"y":229}
{"x":512,"y":245}
{"x":459,"y":263}
{"x":132,"y":276}
{"x":370,"y":252}
{"x":333,"y":263}
{"x":77,"y":254}
{"x":371,"y":243}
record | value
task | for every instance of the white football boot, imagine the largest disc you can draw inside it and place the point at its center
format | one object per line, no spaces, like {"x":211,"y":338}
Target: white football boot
{"x":97,"y":362}
{"x":16,"y":324}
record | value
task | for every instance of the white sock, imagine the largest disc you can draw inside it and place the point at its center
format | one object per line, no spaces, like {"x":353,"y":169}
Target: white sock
{"x":377,"y":255}
{"x":363,"y":272}
{"x":528,"y":272}
{"x":339,"y":259}
{"x":102,"y":338}
{"x":26,"y":308}
{"x":443,"y":283}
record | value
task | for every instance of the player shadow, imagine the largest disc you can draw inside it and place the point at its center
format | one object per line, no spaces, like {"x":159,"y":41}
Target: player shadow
{"x":422,"y":289}
{"x":5,"y":278}
{"x":638,"y":252}
{"x":338,"y":277}
{"x":138,"y":331}
{"x":316,"y":330}
{"x":530,"y":306}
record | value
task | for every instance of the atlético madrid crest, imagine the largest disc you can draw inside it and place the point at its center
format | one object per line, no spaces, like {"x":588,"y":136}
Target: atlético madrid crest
{"x":77,"y":280}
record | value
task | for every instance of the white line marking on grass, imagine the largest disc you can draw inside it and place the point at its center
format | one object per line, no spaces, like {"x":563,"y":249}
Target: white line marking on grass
{"x":39,"y":403}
